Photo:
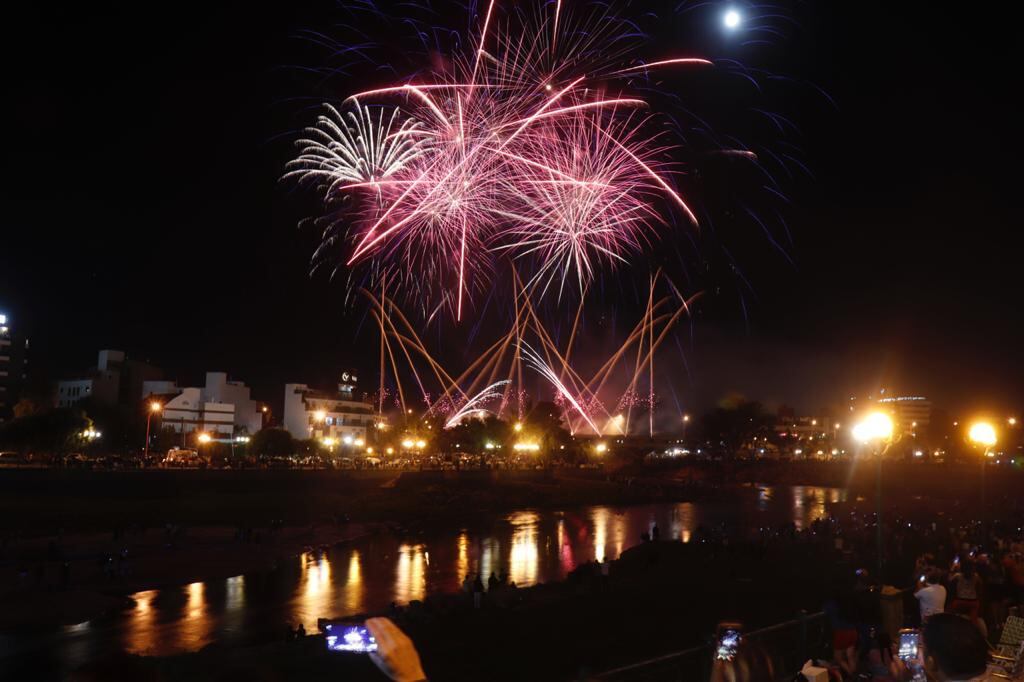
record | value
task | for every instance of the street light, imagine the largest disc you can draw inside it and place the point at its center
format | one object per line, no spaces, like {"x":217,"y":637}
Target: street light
{"x":204,"y":438}
{"x":154,"y":407}
{"x":877,"y":427}
{"x":982,"y":433}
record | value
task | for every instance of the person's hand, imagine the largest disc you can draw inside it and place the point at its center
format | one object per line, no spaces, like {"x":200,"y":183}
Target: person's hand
{"x":395,"y":656}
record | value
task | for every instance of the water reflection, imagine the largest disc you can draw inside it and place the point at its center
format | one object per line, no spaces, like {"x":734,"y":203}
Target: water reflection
{"x":809,"y":503}
{"x":234,"y":603}
{"x":523,"y":557}
{"x":410,"y":581}
{"x":462,"y":562}
{"x":196,"y":626}
{"x":354,"y":590}
{"x":529,"y":546}
{"x":316,"y":589}
{"x":599,"y":517}
{"x":140,"y":637}
{"x":684,"y":521}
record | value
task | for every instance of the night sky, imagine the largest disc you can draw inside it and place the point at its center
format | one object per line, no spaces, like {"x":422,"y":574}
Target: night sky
{"x":143,"y":208}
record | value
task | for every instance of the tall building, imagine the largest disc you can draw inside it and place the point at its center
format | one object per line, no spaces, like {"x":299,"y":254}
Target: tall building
{"x":13,"y":365}
{"x":115,"y":380}
{"x":221,"y":407}
{"x":309,"y":413}
{"x":911,"y":413}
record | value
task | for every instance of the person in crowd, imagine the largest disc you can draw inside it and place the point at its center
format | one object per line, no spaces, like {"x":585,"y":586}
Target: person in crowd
{"x":840,"y":613}
{"x":966,"y":588}
{"x":396,"y":656}
{"x":882,"y":663}
{"x":478,"y":591}
{"x":930,"y":594}
{"x":492,"y":582}
{"x":953,"y":650}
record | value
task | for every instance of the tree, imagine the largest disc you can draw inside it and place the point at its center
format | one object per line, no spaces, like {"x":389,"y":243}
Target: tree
{"x":734,"y":422}
{"x":272,"y":442}
{"x":57,"y":430}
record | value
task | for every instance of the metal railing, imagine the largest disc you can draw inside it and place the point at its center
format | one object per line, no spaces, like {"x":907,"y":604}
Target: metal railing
{"x":789,"y":644}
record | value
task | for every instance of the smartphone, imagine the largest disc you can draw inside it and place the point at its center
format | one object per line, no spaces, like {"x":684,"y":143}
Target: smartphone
{"x":349,"y":637}
{"x":908,"y":644}
{"x":728,"y":643}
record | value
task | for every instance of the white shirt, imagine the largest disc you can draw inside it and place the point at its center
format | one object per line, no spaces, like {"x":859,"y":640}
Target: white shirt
{"x":933,"y":600}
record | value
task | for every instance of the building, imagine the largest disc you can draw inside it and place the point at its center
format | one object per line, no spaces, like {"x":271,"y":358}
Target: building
{"x":911,"y":414}
{"x":309,"y":413}
{"x":13,"y":366}
{"x":115,"y":380}
{"x":221,"y":407}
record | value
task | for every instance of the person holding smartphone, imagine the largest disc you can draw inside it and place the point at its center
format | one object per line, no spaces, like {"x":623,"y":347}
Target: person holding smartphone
{"x":396,"y":656}
{"x":930,"y":594}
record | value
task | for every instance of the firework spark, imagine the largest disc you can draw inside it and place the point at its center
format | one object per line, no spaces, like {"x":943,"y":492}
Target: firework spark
{"x":475,"y":404}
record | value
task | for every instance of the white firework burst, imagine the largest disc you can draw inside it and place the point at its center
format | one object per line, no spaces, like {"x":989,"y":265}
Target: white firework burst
{"x":359,"y":148}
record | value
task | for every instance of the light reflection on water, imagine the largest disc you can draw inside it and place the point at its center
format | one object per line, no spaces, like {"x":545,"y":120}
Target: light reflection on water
{"x":527,"y":546}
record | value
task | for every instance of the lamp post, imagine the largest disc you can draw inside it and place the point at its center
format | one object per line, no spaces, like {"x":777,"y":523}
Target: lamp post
{"x":154,"y":407}
{"x":876,"y":428}
{"x":984,"y":435}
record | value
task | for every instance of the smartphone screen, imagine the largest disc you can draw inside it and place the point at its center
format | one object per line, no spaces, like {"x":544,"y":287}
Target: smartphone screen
{"x":351,"y":638}
{"x":908,"y":645}
{"x":727,"y":645}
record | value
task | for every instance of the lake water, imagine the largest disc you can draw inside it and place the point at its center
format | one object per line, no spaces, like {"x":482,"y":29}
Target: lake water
{"x":367,"y":575}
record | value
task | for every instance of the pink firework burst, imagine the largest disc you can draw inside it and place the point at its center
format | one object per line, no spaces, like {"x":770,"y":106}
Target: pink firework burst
{"x":528,"y":147}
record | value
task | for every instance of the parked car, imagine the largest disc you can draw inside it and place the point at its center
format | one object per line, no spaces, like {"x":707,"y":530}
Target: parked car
{"x":188,"y":459}
{"x":11,"y":460}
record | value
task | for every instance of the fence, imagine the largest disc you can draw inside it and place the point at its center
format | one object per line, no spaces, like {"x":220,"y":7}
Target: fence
{"x":789,"y":643}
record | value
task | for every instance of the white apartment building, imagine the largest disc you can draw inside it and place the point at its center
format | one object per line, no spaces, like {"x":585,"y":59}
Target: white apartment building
{"x":309,"y":413}
{"x":222,"y":407}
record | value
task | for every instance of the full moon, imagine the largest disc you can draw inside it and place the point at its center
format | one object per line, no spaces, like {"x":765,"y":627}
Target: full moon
{"x":732,"y":19}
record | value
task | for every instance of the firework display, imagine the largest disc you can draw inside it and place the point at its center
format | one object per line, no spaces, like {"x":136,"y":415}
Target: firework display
{"x":529,"y":147}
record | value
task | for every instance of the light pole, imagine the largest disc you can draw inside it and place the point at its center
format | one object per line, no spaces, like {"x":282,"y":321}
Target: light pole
{"x":876,"y":428}
{"x":983,"y":434}
{"x":154,"y":407}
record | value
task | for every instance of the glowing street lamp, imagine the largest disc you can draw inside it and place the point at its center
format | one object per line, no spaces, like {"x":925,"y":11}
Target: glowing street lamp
{"x":154,"y":407}
{"x":983,"y":433}
{"x":204,"y":438}
{"x":408,"y":444}
{"x":876,"y":427}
